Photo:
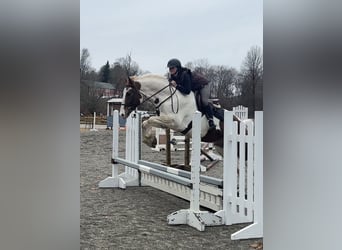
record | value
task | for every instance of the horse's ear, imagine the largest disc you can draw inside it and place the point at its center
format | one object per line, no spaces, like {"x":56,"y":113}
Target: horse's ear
{"x":129,"y":81}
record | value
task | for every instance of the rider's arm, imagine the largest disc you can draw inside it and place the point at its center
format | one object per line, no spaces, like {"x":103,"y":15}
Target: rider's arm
{"x":185,"y":84}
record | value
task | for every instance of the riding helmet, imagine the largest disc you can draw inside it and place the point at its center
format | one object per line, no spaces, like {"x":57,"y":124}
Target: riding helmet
{"x":174,"y":63}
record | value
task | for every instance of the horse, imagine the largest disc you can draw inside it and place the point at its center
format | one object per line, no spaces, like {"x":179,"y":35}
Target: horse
{"x":174,"y":109}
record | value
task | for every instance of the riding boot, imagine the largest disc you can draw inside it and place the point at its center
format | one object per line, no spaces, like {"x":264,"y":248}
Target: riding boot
{"x":210,"y":116}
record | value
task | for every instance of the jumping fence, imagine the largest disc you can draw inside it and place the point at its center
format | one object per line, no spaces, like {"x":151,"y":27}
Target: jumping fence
{"x":236,"y":198}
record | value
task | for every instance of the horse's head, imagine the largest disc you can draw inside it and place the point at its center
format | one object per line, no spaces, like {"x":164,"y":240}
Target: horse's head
{"x":131,"y":97}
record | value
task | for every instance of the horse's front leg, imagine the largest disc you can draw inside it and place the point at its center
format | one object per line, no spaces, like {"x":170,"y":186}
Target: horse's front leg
{"x":149,"y":134}
{"x":148,"y":128}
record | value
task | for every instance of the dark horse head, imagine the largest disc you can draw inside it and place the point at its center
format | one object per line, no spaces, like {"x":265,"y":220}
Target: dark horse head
{"x":131,"y":97}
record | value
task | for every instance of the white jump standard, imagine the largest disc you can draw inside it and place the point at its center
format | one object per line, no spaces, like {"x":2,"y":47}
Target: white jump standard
{"x":193,"y":216}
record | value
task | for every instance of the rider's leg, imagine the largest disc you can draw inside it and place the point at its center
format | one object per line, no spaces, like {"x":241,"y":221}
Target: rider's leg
{"x":210,"y":116}
{"x":205,"y":92}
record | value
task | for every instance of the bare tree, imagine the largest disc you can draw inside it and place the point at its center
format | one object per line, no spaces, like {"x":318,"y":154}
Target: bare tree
{"x":199,"y":65}
{"x":231,"y":86}
{"x":226,"y":84}
{"x":210,"y":73}
{"x":89,"y":100}
{"x":91,"y":75}
{"x":118,"y":76}
{"x":85,"y":64}
{"x":203,"y":67}
{"x":130,"y":66}
{"x":252,"y":75}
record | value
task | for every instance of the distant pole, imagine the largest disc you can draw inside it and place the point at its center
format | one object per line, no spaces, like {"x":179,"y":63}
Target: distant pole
{"x":94,"y":122}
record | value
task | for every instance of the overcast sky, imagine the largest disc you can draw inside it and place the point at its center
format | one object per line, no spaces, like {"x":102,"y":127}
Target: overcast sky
{"x":153,"y":31}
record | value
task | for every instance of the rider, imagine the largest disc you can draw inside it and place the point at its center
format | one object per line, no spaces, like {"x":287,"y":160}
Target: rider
{"x":181,"y":79}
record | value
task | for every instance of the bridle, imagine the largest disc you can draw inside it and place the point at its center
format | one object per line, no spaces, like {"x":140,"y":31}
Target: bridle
{"x":156,"y":102}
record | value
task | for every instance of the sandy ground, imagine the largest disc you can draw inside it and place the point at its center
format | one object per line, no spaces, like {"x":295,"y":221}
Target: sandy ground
{"x":135,"y":218}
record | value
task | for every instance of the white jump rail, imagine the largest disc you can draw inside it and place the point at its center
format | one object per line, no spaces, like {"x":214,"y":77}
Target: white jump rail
{"x":240,"y":199}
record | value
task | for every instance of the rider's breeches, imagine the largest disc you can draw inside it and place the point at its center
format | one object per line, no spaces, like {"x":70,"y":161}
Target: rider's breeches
{"x":205,"y":93}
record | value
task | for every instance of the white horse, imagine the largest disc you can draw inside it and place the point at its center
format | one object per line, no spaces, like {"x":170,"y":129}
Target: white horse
{"x":175,"y":110}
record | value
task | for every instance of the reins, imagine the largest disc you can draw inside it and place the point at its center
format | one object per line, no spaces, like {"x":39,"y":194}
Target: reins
{"x":167,"y":98}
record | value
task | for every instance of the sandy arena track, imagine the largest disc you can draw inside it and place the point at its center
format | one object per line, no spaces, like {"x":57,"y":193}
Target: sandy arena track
{"x":135,"y":218}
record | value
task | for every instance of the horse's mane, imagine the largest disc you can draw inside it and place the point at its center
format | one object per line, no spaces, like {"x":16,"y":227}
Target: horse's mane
{"x":152,"y":81}
{"x":148,"y":76}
